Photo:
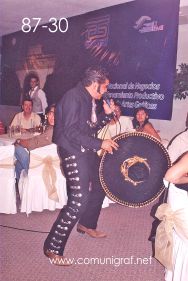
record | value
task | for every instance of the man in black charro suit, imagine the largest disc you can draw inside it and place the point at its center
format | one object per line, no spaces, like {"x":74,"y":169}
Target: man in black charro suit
{"x":76,"y":125}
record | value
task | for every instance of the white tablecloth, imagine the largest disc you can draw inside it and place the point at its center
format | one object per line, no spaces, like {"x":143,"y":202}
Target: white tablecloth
{"x":6,"y":140}
{"x":7,"y":186}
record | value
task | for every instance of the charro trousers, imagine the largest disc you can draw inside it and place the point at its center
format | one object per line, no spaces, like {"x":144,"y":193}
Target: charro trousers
{"x":85,"y":198}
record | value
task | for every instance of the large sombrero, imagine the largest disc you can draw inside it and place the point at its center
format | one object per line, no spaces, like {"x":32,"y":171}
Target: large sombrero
{"x":133,"y":175}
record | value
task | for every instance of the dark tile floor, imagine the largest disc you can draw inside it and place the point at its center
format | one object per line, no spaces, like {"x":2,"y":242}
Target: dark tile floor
{"x":125,"y":255}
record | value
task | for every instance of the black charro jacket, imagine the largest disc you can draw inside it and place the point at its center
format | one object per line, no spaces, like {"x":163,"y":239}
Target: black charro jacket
{"x":72,"y":131}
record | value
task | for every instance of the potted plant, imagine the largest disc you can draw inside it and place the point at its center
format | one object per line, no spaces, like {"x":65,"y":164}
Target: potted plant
{"x":181,"y":82}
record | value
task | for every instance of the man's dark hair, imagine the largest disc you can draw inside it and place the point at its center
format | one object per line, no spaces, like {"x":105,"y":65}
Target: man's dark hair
{"x":34,"y":76}
{"x":95,"y":74}
{"x":27,"y":99}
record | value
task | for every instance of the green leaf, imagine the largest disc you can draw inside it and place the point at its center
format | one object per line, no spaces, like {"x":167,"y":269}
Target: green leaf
{"x":181,"y":82}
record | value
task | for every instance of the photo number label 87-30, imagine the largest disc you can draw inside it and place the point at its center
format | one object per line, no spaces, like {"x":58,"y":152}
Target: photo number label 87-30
{"x":53,"y":25}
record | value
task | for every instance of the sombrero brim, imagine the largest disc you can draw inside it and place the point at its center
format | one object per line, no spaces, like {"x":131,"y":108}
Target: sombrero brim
{"x":113,"y":181}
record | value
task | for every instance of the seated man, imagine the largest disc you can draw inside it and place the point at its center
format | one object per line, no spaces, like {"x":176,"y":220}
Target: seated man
{"x":120,"y":124}
{"x":23,"y":145}
{"x":26,"y":119}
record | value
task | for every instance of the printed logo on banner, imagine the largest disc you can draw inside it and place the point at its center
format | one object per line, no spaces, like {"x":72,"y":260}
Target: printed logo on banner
{"x":97,"y":32}
{"x":146,"y":24}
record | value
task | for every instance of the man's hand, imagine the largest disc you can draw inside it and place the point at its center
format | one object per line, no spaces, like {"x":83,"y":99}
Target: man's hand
{"x":109,"y":109}
{"x":108,"y":145}
{"x":22,"y":142}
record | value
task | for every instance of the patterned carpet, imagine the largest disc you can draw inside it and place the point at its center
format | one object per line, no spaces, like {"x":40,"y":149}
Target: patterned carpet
{"x":125,"y":255}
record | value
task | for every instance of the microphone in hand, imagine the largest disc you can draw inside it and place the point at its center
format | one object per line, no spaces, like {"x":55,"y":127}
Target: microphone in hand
{"x":106,"y":98}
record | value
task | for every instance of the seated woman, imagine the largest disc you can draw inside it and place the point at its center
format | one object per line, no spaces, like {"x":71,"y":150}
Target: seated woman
{"x":171,"y":245}
{"x":141,"y":123}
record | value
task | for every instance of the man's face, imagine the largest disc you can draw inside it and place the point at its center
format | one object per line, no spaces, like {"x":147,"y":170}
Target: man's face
{"x":27,"y":107}
{"x":99,"y":89}
{"x":51,"y":116}
{"x":33,"y":83}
